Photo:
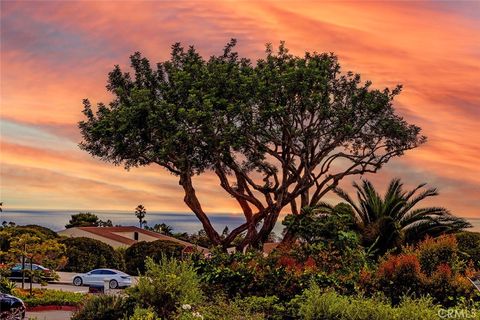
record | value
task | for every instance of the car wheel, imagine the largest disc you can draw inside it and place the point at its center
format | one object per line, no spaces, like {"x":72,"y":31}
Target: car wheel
{"x":77,"y":281}
{"x":16,"y":314}
{"x":113,"y":284}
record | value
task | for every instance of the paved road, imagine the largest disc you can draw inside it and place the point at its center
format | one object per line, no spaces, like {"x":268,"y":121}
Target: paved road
{"x":49,"y":315}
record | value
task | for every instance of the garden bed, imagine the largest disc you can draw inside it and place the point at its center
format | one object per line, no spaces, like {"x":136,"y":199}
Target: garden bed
{"x":50,"y":299}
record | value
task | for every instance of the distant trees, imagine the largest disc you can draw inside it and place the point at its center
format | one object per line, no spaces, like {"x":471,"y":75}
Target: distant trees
{"x":140,"y":213}
{"x":87,"y":219}
{"x":162,"y":228}
{"x":279,"y":133}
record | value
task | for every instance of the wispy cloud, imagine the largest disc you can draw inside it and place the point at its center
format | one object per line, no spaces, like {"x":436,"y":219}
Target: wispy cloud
{"x":56,"y":53}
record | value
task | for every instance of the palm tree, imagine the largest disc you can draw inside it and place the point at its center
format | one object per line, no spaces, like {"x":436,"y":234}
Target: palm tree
{"x":140,"y":213}
{"x":163,"y":228}
{"x":388,"y":222}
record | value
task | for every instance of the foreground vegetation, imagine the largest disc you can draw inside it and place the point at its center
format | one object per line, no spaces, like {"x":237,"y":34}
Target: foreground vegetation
{"x":326,"y":274}
{"x":375,"y":258}
{"x":44,"y":297}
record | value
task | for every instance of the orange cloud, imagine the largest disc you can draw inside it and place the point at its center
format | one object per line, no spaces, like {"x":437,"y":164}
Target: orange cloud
{"x":54,"y":54}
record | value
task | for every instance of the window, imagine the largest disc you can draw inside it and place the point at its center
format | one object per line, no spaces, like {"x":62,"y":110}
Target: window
{"x":108,"y":272}
{"x":97,"y":272}
{"x":135,"y":236}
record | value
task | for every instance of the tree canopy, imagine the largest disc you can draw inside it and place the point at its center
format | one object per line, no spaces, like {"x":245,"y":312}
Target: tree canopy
{"x":87,"y":219}
{"x":281,"y":132}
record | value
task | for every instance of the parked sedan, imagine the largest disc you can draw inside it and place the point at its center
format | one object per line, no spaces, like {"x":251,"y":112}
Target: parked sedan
{"x":97,"y":277}
{"x":42,"y":272}
{"x":11,"y":308}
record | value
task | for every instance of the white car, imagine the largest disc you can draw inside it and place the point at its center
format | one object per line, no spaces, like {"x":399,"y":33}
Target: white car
{"x":117,"y":279}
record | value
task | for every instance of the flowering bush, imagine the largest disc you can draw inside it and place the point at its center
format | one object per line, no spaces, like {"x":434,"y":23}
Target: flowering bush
{"x":434,"y":252}
{"x":431,"y":268}
{"x":400,"y":275}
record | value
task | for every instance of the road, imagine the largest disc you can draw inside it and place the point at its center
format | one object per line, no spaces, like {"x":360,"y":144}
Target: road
{"x":64,"y":283}
{"x":49,"y":315}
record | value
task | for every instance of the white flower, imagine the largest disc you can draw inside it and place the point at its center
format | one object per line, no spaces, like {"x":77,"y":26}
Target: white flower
{"x":197,"y":315}
{"x":186,"y":307}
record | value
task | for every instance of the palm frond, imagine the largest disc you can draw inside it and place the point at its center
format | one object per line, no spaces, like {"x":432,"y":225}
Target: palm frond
{"x":412,"y":203}
{"x":359,"y":215}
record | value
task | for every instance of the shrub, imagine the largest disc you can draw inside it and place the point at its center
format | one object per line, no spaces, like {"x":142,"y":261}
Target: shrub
{"x":45,"y":297}
{"x":85,"y":254}
{"x":434,"y":252}
{"x":400,"y":275}
{"x":219,"y":309}
{"x":316,"y":304}
{"x":6,"y":286}
{"x":143,"y":314}
{"x":46,"y":232}
{"x":10,"y":233}
{"x":136,"y":254}
{"x":448,"y":288}
{"x":431,"y":268}
{"x":270,"y":307}
{"x":469,"y":245}
{"x":105,"y":307}
{"x":167,"y":285}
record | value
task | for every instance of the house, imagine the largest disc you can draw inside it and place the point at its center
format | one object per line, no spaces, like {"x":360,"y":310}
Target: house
{"x":119,"y":237}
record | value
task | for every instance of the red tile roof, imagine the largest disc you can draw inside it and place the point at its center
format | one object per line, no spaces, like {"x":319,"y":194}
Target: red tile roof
{"x":112,"y":233}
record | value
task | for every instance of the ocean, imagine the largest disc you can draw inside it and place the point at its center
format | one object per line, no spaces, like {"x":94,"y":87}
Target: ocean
{"x":180,"y":222}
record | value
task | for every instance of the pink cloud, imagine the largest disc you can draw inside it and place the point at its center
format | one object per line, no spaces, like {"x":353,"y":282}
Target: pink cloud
{"x":56,"y":54}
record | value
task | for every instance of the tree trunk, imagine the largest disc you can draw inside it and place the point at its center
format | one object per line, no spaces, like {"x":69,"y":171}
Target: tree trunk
{"x":288,"y":239}
{"x":192,"y":201}
{"x":268,"y":224}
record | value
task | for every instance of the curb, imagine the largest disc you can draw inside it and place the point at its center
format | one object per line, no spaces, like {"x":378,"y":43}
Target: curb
{"x":51,"y":308}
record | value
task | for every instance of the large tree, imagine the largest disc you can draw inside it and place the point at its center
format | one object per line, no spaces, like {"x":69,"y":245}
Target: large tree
{"x":282,"y":132}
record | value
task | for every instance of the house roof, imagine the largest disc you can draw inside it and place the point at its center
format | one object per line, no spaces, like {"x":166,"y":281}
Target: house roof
{"x":113,"y":234}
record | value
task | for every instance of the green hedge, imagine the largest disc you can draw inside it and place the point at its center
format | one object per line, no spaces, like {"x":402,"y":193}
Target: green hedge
{"x":136,"y":255}
{"x":85,"y":254}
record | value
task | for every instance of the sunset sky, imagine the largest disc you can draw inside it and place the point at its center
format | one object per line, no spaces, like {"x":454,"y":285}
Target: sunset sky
{"x":54,"y":54}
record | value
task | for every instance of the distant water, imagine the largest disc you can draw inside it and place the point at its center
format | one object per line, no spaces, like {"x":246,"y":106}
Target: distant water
{"x":181,"y":222}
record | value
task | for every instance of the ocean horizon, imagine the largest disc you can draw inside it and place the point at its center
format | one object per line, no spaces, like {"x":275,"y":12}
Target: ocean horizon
{"x":179,"y":221}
